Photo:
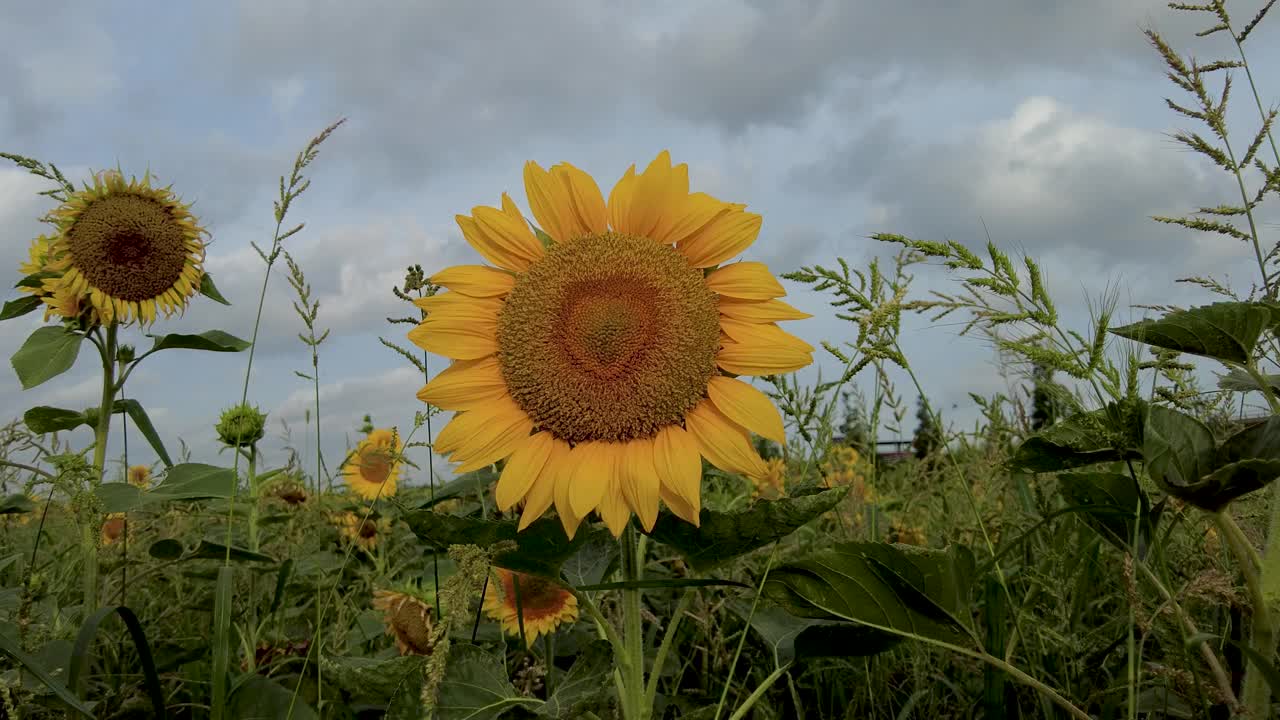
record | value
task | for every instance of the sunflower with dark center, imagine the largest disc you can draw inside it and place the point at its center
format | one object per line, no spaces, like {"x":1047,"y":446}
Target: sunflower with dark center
{"x":602,"y":366}
{"x":125,"y":249}
{"x":362,"y":532}
{"x":372,"y":470}
{"x":543,"y":604}
{"x":408,"y":618}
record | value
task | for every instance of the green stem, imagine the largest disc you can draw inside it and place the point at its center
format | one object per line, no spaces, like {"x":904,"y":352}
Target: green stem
{"x":633,"y":634}
{"x":253,"y":497}
{"x":659,"y":660}
{"x":1266,"y":610}
{"x":90,"y":530}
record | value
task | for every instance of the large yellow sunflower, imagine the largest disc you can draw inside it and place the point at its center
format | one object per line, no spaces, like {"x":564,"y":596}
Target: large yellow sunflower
{"x":373,"y":468}
{"x":600,"y":365}
{"x":543,"y":603}
{"x":124,"y":249}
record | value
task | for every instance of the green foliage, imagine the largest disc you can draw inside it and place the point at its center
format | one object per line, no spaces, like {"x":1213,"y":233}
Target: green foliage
{"x":1184,"y":458}
{"x":209,"y":290}
{"x":19,"y":307}
{"x":210,"y":341}
{"x":587,"y":686}
{"x":476,"y":687}
{"x":47,"y":353}
{"x":1224,"y":331}
{"x":1116,"y":507}
{"x":255,"y":697}
{"x":540,"y":549}
{"x":722,"y":536}
{"x":1111,"y":433}
{"x":185,"y":481}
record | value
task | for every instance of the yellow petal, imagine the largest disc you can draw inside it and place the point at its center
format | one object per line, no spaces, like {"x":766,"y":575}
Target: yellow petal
{"x":464,"y":428}
{"x":748,"y":407}
{"x":762,"y":334}
{"x":675,"y":455}
{"x":495,"y":441}
{"x":594,"y":463}
{"x":446,"y":300}
{"x":523,"y":467}
{"x":620,"y":201}
{"x":678,"y":506}
{"x":549,"y":201}
{"x":587,"y":203}
{"x":563,"y":473}
{"x":659,"y":190}
{"x":753,"y":359}
{"x":759,"y":311}
{"x":746,"y":280}
{"x":465,"y":384}
{"x":722,"y":239}
{"x":543,"y":490}
{"x":613,"y":507}
{"x":689,"y":216}
{"x":475,"y":280}
{"x":722,"y":441}
{"x":500,"y":238}
{"x":639,"y":480}
{"x":453,"y":342}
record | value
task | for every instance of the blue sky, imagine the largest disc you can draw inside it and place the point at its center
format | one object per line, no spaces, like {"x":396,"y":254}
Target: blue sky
{"x":1043,"y":120}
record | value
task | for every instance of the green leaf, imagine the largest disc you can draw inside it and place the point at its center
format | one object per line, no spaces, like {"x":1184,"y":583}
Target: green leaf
{"x":791,"y":638}
{"x":47,"y":353}
{"x":35,"y":280}
{"x":385,"y":681}
{"x":143,"y":423}
{"x":898,"y":588}
{"x":1224,"y":331}
{"x":1179,"y":451}
{"x":723,"y":536}
{"x":209,"y":290}
{"x":185,"y":481}
{"x":11,"y":648}
{"x":1237,"y":380}
{"x":173,"y":550}
{"x":593,"y":562}
{"x":16,"y":504}
{"x":210,"y":340}
{"x":166,"y":549}
{"x":19,"y":307}
{"x":257,"y":697}
{"x":44,"y":419}
{"x":1105,"y":435}
{"x":467,"y":484}
{"x":585,"y":687}
{"x":1113,"y":504}
{"x":475,"y":686}
{"x":79,"y":661}
{"x":541,"y":549}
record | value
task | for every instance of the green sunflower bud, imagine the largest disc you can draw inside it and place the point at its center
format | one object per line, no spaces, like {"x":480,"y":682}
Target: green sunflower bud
{"x":241,"y":425}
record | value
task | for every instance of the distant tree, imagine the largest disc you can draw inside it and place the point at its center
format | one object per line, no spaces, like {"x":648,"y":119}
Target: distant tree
{"x":928,"y":437}
{"x":367,"y":426}
{"x":1044,"y":407}
{"x":855,"y":428}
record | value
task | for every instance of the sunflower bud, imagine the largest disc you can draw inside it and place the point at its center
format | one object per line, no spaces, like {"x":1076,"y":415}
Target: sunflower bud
{"x":125,"y":354}
{"x":241,"y":425}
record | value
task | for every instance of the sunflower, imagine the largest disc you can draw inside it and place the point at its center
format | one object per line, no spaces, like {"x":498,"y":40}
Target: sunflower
{"x":114,"y":527}
{"x":408,"y":618}
{"x":770,"y":485}
{"x":139,"y":476}
{"x":123,"y":249}
{"x":373,"y":468}
{"x":543,"y":603}
{"x":362,"y":532}
{"x":596,"y":364}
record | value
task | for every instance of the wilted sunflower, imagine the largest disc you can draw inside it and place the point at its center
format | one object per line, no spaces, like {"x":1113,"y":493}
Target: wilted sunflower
{"x":544,"y":604}
{"x":362,"y":532}
{"x":594,"y":364}
{"x":114,"y":528}
{"x":408,"y":619}
{"x":373,"y":468}
{"x":124,"y":249}
{"x":139,"y":476}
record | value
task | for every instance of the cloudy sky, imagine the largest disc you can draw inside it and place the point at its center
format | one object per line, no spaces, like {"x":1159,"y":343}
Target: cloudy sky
{"x":1042,"y":121}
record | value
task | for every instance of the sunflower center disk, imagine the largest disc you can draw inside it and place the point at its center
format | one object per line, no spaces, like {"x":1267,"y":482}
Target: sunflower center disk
{"x":128,"y":246}
{"x":608,"y":337}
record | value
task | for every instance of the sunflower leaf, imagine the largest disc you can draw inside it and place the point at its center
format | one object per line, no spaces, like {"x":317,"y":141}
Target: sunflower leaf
{"x":44,"y":419}
{"x":257,"y":697}
{"x":1104,"y":435}
{"x":210,"y":340}
{"x":585,"y":686}
{"x":19,"y":307}
{"x":184,"y":481}
{"x":143,"y":423}
{"x":1223,"y":331}
{"x":723,"y":536}
{"x":36,"y":280}
{"x":475,"y":687}
{"x":47,"y":353}
{"x":16,"y":503}
{"x":209,"y":290}
{"x":541,"y":549}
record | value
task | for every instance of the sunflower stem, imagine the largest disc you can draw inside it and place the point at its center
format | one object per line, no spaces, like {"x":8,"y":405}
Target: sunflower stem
{"x":252,"y":473}
{"x":633,"y":635}
{"x":90,"y":530}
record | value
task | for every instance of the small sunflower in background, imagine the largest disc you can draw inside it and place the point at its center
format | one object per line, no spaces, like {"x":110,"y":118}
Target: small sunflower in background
{"x":594,"y":359}
{"x":114,"y":528}
{"x":372,"y":470}
{"x":409,"y":618}
{"x":139,"y":476}
{"x":900,"y":532}
{"x":362,"y":532}
{"x":124,"y":252}
{"x":544,"y":604}
{"x":771,"y":485}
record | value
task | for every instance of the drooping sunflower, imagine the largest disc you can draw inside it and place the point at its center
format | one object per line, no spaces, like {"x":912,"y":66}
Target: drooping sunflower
{"x":373,"y":468}
{"x":599,"y":365}
{"x":408,"y":618}
{"x":139,"y":476}
{"x":543,"y":603}
{"x":124,"y":250}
